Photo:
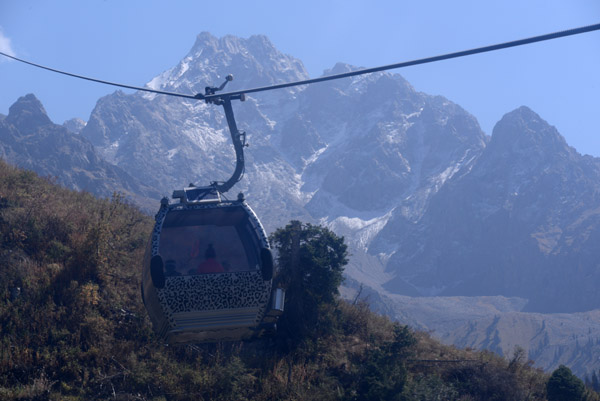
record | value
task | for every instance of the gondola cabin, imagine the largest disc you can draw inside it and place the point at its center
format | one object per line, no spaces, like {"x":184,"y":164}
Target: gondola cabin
{"x":208,"y":270}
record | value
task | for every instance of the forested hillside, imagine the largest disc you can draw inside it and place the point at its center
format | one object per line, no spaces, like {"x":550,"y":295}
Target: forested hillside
{"x":73,"y":326}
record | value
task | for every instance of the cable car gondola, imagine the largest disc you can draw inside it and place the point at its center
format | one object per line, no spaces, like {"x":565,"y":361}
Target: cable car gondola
{"x":208,"y":268}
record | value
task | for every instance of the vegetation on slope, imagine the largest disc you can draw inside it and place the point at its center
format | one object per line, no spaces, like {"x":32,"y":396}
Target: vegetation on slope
{"x":73,"y":326}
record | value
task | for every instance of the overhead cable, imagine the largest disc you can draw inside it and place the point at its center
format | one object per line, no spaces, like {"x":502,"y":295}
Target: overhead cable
{"x":70,"y":74}
{"x":484,"y":49}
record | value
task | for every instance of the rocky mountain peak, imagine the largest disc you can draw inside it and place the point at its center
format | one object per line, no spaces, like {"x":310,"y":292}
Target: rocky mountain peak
{"x":231,"y":43}
{"x":74,"y":125}
{"x":260,"y":44}
{"x":522,"y":131}
{"x":253,"y":61}
{"x":27,"y":114}
{"x":29,"y":139}
{"x":340,"y":68}
{"x":203,"y":40}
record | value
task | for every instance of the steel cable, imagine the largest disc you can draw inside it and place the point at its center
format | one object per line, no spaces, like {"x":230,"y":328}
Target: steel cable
{"x":478,"y":50}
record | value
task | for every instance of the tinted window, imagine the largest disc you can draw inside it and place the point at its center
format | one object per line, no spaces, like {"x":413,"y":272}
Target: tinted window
{"x":208,"y":241}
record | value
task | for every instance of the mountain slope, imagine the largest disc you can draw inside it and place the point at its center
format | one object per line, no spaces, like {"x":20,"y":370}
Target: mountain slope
{"x":74,"y":327}
{"x":522,"y":222}
{"x":30,"y":140}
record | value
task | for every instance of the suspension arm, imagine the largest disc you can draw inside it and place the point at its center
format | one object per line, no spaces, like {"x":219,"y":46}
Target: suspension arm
{"x":238,"y":139}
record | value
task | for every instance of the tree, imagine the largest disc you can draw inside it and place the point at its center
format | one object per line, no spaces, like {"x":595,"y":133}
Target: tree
{"x":311,"y":262}
{"x":563,"y":385}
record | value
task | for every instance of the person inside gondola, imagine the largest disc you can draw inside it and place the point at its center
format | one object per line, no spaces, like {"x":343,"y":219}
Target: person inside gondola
{"x":210,"y":265}
{"x":171,"y":269}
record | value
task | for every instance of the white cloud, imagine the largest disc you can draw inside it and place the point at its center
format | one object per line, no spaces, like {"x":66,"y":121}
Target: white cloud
{"x":5,"y":44}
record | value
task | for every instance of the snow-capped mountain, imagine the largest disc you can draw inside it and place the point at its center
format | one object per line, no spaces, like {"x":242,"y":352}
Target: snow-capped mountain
{"x":169,"y":142}
{"x":357,"y":148}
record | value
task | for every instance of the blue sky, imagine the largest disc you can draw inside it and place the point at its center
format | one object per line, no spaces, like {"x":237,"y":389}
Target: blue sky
{"x":132,"y":41}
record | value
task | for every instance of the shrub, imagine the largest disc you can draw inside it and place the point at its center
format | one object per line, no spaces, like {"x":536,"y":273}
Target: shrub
{"x":563,"y":385}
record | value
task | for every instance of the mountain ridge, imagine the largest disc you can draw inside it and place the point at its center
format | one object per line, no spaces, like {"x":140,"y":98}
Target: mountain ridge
{"x":29,"y":139}
{"x":512,"y":210}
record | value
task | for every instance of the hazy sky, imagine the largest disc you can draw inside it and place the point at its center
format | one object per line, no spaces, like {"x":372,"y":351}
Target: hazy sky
{"x":134,"y":40}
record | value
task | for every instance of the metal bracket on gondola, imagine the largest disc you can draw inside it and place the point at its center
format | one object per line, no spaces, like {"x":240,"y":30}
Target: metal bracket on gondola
{"x":193,"y":194}
{"x":211,"y":90}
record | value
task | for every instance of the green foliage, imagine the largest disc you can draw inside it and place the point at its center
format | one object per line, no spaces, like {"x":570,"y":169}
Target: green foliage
{"x":384,"y":372}
{"x":68,"y":283}
{"x":72,"y":325}
{"x":563,"y":385}
{"x":311,"y":262}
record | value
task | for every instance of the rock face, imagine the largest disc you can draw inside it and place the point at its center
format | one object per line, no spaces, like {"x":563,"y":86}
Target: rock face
{"x":30,"y":140}
{"x":524,"y":221}
{"x":74,"y":125}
